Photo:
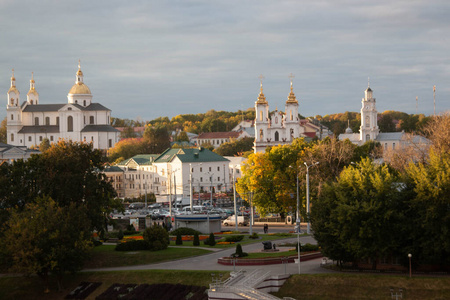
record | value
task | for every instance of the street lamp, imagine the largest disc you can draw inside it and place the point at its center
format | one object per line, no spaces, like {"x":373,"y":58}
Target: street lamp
{"x":297,"y":222}
{"x":308,"y":230}
{"x":234,"y":197}
{"x":191,"y":201}
{"x":410,"y":272}
{"x":211,"y":188}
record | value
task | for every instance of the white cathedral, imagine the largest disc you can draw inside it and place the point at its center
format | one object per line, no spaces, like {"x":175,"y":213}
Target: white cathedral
{"x":78,"y":120}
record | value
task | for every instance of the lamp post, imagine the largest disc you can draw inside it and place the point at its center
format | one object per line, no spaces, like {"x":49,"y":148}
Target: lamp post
{"x":191,"y":201}
{"x":308,"y":229}
{"x":211,"y":188}
{"x":297,"y":221}
{"x":251,"y":213}
{"x":410,"y":272}
{"x":234,"y":197}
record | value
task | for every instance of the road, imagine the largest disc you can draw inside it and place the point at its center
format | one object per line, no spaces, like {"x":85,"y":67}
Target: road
{"x":209,"y":261}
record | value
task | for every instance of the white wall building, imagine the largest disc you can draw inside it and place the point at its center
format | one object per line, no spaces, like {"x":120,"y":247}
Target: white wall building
{"x":78,"y":120}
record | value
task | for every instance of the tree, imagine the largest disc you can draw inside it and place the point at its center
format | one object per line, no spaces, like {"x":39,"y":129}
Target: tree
{"x":3,"y":131}
{"x":386,"y":123}
{"x":182,"y":137}
{"x":126,"y":148}
{"x":46,"y":238}
{"x":156,"y":139}
{"x":68,"y":172}
{"x":437,"y":130}
{"x":157,"y":237}
{"x":235,"y":148}
{"x":44,"y":145}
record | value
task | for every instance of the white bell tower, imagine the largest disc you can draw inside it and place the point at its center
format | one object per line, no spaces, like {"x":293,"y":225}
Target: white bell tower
{"x":13,"y":112}
{"x":369,"y":126}
{"x":262,"y":117}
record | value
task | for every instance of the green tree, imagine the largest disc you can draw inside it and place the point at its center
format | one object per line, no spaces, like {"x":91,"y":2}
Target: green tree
{"x":235,"y":148}
{"x":196,"y":241}
{"x":182,"y":137}
{"x":157,"y":237}
{"x":157,"y":139}
{"x":44,"y":145}
{"x":386,"y":123}
{"x":3,"y":131}
{"x":45,"y":238}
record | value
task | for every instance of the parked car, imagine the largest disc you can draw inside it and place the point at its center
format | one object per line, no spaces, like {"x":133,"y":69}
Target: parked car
{"x":231,"y":220}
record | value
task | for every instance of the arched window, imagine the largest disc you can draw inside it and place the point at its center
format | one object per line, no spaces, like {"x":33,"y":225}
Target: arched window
{"x":367,"y":137}
{"x":36,"y":121}
{"x":31,"y":101}
{"x":12,"y":117}
{"x":261,"y":134}
{"x":91,"y":120}
{"x":69,"y":123}
{"x":261,"y":115}
{"x":292,"y":117}
{"x":12,"y":137}
{"x":367,"y":121}
{"x":277,"y":136}
{"x":12,"y":101}
{"x":84,"y":102}
{"x":47,"y":120}
{"x":76,"y":101}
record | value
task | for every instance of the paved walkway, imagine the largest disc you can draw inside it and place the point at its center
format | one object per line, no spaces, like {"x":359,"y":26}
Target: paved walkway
{"x":209,"y":262}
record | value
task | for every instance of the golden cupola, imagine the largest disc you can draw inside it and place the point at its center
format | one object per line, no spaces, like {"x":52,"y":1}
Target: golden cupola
{"x":13,"y":84}
{"x":79,"y":88}
{"x":261,"y":97}
{"x":291,"y":97}
{"x":32,"y":90}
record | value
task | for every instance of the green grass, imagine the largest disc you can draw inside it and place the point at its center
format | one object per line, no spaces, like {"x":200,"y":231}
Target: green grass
{"x":32,"y":288}
{"x":363,"y":286}
{"x":105,"y":256}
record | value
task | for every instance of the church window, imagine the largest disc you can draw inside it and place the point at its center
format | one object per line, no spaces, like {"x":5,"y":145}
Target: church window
{"x":210,"y":169}
{"x":292,"y":132}
{"x":393,"y":146}
{"x":47,"y":120}
{"x":51,"y":138}
{"x":201,"y":169}
{"x":29,"y":138}
{"x":201,"y":179}
{"x":367,"y":137}
{"x":31,"y":101}
{"x":57,"y":121}
{"x":12,"y":101}
{"x":40,"y":139}
{"x":91,"y":120}
{"x":276,"y":120}
{"x":92,"y":138}
{"x":260,"y":115}
{"x":218,"y":168}
{"x":76,"y":101}
{"x":36,"y":121}
{"x":109,"y":143}
{"x":12,"y":117}
{"x":385,"y":146}
{"x":12,"y":137}
{"x":261,"y":134}
{"x":292,"y":117}
{"x":69,"y":123}
{"x":69,"y":108}
{"x":277,"y":136}
{"x":84,"y":102}
{"x":367,"y":121}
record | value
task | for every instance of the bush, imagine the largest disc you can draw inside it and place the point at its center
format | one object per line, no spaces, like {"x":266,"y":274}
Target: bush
{"x":179,"y":240}
{"x":129,"y":232}
{"x":239,"y":252}
{"x":157,"y":237}
{"x":130,"y":228}
{"x":120,"y":234}
{"x":234,"y":238}
{"x":254,"y":236}
{"x":211,"y":241}
{"x":96,"y":243}
{"x":307,"y":248}
{"x":196,"y":241}
{"x":133,"y":246}
{"x":185,"y":231}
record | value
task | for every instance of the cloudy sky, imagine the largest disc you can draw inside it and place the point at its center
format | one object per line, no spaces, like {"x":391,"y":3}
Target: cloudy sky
{"x":163,"y":58}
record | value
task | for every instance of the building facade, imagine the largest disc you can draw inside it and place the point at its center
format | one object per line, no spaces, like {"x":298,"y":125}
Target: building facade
{"x":79,"y":119}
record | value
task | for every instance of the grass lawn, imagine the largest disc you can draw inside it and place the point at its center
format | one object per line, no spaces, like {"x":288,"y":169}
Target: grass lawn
{"x":363,"y":286}
{"x":31,"y":287}
{"x":105,"y":256}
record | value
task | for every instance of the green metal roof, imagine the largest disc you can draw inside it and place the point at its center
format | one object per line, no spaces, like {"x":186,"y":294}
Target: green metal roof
{"x":190,"y":155}
{"x":140,"y":159}
{"x":112,"y":169}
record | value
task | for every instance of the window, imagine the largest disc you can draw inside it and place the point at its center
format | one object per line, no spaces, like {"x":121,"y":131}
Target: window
{"x":51,"y":138}
{"x":292,"y":117}
{"x":12,"y":137}
{"x":69,"y":123}
{"x":393,"y":146}
{"x":69,"y":108}
{"x":218,"y":142}
{"x":29,"y":138}
{"x":12,"y":117}
{"x":47,"y":120}
{"x":201,"y":169}
{"x":210,"y":169}
{"x":91,"y":120}
{"x":218,"y":168}
{"x":109,"y":143}
{"x":277,"y":136}
{"x":367,"y":137}
{"x":36,"y":121}
{"x":84,"y":102}
{"x":76,"y":101}
{"x":385,"y":146}
{"x":367,"y":121}
{"x":218,"y":178}
{"x":12,"y":101}
{"x":201,"y":179}
{"x":40,"y":139}
{"x":92,"y":138}
{"x":261,"y":115}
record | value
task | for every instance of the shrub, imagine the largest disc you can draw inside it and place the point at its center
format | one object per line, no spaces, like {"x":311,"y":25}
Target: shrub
{"x":130,"y":228}
{"x":254,"y":236}
{"x":307,"y":247}
{"x":96,"y":243}
{"x":120,"y":234}
{"x":129,"y":232}
{"x":179,"y":240}
{"x":185,"y":231}
{"x":157,"y":237}
{"x":239,"y":252}
{"x":196,"y":241}
{"x":133,"y":246}
{"x":234,"y":238}
{"x":212,"y":239}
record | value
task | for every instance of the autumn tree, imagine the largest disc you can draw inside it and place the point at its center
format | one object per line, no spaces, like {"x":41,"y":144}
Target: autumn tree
{"x":156,"y":139}
{"x":3,"y":131}
{"x":44,"y":145}
{"x":44,"y":238}
{"x":235,"y":148}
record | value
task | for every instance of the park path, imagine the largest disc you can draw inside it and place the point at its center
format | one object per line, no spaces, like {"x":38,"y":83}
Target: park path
{"x":209,"y":261}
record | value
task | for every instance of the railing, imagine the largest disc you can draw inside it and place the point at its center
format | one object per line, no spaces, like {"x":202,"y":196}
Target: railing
{"x":255,"y":277}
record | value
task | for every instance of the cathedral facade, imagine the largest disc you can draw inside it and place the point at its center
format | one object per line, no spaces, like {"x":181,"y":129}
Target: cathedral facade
{"x":281,"y":128}
{"x":79,"y":120}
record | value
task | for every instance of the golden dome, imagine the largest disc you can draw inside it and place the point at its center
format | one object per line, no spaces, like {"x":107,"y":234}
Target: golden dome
{"x":291,"y":97}
{"x":261,"y":97}
{"x":80,"y":88}
{"x":13,"y":89}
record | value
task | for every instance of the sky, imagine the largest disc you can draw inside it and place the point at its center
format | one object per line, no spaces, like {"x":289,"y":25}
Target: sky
{"x":146,"y":59}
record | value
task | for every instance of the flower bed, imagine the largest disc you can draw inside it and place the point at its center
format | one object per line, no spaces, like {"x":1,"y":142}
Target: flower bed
{"x":83,"y":290}
{"x":190,"y":237}
{"x":229,"y":261}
